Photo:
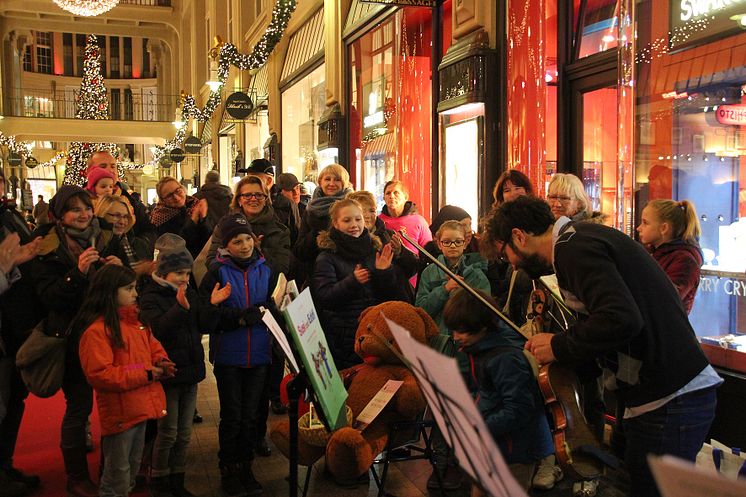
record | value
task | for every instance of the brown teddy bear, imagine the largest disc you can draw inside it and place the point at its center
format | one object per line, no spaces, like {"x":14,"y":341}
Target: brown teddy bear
{"x":349,"y":452}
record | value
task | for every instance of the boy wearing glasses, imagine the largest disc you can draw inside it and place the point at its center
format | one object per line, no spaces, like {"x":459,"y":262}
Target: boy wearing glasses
{"x":435,"y":286}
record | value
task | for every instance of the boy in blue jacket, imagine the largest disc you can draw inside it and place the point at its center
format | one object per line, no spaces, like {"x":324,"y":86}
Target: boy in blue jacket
{"x":503,"y":384}
{"x":241,"y":356}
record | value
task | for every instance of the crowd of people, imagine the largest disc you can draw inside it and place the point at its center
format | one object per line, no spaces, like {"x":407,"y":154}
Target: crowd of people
{"x":136,"y":288}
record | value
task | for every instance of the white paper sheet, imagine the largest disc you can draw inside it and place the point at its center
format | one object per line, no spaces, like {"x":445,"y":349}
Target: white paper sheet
{"x":678,"y":478}
{"x":457,"y":416}
{"x":282,"y":340}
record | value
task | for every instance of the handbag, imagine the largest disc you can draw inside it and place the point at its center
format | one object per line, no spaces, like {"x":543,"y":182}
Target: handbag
{"x":41,"y":361}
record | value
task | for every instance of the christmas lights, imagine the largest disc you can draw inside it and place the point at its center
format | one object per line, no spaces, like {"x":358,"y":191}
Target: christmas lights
{"x":227,"y":55}
{"x":87,"y":8}
{"x":91,"y":100}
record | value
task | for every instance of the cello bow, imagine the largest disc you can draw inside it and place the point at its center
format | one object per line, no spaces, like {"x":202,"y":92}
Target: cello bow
{"x":559,"y":387}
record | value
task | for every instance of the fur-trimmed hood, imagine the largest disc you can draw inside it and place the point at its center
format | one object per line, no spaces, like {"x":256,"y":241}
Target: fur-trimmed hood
{"x":325,"y":242}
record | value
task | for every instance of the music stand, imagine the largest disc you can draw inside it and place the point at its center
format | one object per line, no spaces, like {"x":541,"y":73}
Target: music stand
{"x":457,"y":417}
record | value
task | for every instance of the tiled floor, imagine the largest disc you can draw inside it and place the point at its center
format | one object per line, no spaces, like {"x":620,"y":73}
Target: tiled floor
{"x":407,"y":479}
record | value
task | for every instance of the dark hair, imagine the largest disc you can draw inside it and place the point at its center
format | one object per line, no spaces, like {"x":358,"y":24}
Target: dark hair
{"x":464,"y":313}
{"x":517,"y":178}
{"x":101,"y":300}
{"x":83,"y":196}
{"x":529,"y":214}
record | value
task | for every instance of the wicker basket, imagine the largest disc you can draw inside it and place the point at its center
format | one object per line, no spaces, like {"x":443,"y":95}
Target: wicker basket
{"x":317,"y":436}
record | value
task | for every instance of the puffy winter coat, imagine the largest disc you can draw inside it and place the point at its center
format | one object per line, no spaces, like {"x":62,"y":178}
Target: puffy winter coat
{"x":431,"y":293}
{"x":508,"y":398}
{"x":682,"y":262}
{"x":180,"y":330}
{"x":340,"y":298}
{"x":250,"y":345}
{"x":126,"y":393}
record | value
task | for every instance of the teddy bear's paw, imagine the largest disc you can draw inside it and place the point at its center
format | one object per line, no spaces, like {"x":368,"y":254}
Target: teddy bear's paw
{"x":348,"y":455}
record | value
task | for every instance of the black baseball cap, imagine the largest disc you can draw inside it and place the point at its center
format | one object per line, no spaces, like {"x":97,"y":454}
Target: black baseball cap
{"x":262,"y":166}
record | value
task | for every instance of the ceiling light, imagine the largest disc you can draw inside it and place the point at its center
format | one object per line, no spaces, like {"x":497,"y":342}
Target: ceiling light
{"x":87,"y":8}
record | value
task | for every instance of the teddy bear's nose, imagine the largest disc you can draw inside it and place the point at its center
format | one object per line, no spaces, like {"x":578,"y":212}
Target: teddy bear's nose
{"x":360,"y":339}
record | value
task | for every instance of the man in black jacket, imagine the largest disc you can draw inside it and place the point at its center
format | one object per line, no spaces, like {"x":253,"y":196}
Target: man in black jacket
{"x":632,"y":322}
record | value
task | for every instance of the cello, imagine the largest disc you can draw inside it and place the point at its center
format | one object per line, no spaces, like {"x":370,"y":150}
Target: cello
{"x":576,"y":446}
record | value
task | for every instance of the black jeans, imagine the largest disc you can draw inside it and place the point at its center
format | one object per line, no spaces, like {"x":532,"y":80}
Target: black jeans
{"x":78,"y":406}
{"x":240,"y":392}
{"x":271,"y":391}
{"x":16,"y":404}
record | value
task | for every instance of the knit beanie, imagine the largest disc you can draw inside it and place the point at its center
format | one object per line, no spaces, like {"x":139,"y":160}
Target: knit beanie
{"x":57,"y":203}
{"x":172,"y":254}
{"x":233,"y":225}
{"x":95,"y":175}
{"x":447,"y":213}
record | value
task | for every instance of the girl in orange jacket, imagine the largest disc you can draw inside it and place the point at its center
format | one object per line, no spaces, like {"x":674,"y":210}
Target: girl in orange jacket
{"x":123,"y":362}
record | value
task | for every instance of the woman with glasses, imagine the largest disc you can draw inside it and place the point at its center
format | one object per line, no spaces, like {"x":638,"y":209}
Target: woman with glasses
{"x":71,"y":253}
{"x":181,"y":214}
{"x":252,"y":200}
{"x":116,"y":213}
{"x":567,"y":197}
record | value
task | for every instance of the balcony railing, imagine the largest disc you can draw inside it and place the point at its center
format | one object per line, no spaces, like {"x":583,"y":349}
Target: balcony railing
{"x":151,"y":3}
{"x":124,"y":105}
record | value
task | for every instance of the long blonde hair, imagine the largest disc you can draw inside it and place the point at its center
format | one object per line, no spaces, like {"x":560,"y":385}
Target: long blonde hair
{"x":681,"y":216}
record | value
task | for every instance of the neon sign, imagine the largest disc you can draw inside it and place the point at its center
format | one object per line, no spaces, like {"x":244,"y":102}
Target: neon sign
{"x":697,"y":8}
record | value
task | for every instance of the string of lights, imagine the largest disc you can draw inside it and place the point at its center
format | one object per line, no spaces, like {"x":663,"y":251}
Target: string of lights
{"x":228,"y":55}
{"x":24,"y":149}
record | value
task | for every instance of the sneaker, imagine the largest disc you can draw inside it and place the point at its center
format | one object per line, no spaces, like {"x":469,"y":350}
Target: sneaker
{"x":547,"y":474}
{"x":31,"y":481}
{"x":451,"y":479}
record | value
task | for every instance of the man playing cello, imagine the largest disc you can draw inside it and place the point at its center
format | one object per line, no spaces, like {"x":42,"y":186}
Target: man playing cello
{"x":631,"y":321}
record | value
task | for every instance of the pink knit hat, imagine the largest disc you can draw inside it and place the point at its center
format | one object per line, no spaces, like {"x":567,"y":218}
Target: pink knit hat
{"x":95,"y":175}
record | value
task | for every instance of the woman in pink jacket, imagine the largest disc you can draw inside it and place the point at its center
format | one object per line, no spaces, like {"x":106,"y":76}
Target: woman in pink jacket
{"x":399,"y":212}
{"x":123,"y":362}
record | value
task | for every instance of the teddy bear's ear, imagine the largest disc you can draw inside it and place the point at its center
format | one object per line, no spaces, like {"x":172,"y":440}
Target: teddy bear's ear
{"x":431,"y":328}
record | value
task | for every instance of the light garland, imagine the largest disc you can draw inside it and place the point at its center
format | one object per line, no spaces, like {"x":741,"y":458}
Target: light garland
{"x":659,"y":47}
{"x":87,"y":8}
{"x":24,"y":149}
{"x":227,"y":55}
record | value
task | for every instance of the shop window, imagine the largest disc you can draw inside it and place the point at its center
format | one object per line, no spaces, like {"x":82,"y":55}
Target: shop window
{"x":115,"y":105}
{"x":390,"y":107}
{"x":303,"y":103}
{"x":114,"y":57}
{"x":598,"y":26}
{"x":127,"y":57}
{"x":43,"y":52}
{"x":691,"y":144}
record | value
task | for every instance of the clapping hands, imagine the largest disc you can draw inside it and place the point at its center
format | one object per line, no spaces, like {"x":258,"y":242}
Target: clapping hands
{"x":12,"y":253}
{"x":219,"y":295}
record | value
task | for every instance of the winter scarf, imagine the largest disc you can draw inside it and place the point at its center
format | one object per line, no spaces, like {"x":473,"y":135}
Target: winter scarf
{"x":351,"y":248}
{"x":81,"y":239}
{"x":163,"y":213}
{"x":319,"y":205}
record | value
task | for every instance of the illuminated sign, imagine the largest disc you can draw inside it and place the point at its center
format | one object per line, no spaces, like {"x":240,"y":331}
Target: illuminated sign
{"x":695,"y":21}
{"x":373,"y":119}
{"x":731,"y":114}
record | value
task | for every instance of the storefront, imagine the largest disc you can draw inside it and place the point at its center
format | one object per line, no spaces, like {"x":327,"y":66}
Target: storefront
{"x":303,"y":89}
{"x":257,"y":124}
{"x":390,"y":97}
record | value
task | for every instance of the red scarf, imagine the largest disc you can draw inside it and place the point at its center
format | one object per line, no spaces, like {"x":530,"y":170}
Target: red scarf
{"x":163,"y":213}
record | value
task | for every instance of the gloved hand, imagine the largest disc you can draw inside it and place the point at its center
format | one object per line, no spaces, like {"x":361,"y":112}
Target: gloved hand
{"x":251,"y":316}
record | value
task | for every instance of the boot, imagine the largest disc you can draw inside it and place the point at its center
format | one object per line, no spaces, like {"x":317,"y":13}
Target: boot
{"x":250,"y":484}
{"x":230,"y":482}
{"x":160,"y":486}
{"x":177,"y":486}
{"x":547,"y":474}
{"x":79,"y":482}
{"x":10,"y":487}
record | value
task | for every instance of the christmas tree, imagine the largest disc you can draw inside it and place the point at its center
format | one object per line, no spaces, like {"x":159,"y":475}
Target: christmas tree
{"x":92,"y":104}
{"x":92,"y":101}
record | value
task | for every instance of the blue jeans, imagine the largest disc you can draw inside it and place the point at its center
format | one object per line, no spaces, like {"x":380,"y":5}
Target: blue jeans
{"x":240,"y":392}
{"x":677,"y":428}
{"x":174,"y":430}
{"x":122,"y":455}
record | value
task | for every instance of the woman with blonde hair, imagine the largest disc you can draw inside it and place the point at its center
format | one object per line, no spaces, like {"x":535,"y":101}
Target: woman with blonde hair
{"x":567,"y":197}
{"x":670,"y":229}
{"x":334,"y":184}
{"x":116,"y":213}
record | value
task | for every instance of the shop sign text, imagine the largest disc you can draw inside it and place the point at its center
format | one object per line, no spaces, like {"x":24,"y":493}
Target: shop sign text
{"x":731,"y":114}
{"x":697,"y":8}
{"x":697,"y":21}
{"x":730,"y":286}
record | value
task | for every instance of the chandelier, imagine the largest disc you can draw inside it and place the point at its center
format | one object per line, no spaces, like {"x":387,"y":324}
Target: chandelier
{"x":87,"y":8}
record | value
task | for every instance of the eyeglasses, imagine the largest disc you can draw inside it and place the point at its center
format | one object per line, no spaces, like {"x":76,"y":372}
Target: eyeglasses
{"x":452,"y":243}
{"x":556,"y":198}
{"x":178,"y":191}
{"x":250,"y":195}
{"x":502,"y":256}
{"x":119,"y":217}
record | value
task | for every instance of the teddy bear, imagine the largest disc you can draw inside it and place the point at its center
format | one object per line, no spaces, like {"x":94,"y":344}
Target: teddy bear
{"x":350,"y":452}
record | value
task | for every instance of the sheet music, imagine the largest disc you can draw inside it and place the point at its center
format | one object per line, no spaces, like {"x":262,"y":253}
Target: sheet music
{"x":678,"y":478}
{"x":457,"y":416}
{"x":282,"y":340}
